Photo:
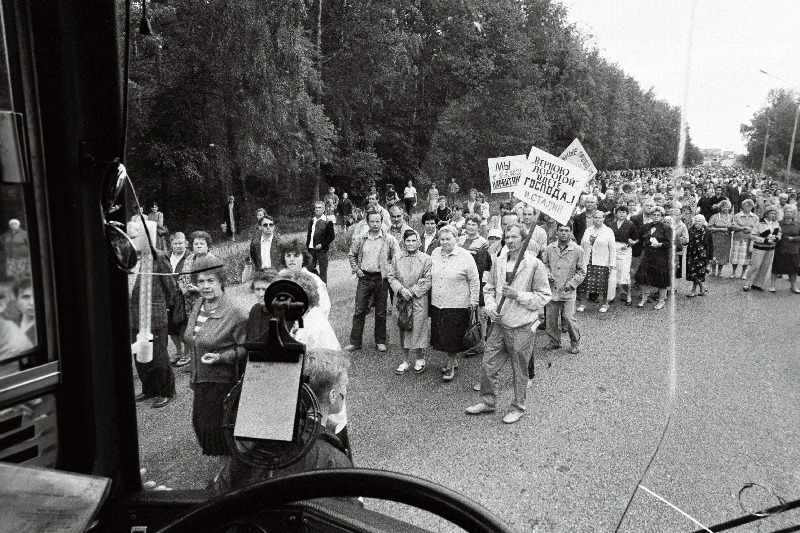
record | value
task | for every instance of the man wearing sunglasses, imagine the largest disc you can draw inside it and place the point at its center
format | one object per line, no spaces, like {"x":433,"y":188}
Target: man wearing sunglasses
{"x":265,"y":248}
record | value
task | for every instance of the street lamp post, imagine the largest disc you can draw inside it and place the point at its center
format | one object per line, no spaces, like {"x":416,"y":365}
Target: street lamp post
{"x":791,"y":146}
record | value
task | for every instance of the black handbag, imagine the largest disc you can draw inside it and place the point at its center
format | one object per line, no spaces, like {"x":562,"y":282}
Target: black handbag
{"x":472,"y":337}
{"x":178,"y":315}
{"x":405,"y":314}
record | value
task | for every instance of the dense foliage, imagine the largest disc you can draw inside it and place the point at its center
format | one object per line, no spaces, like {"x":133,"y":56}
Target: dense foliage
{"x":776,"y":118}
{"x":271,"y":99}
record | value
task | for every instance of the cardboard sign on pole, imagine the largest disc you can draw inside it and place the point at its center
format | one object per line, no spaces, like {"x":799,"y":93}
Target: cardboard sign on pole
{"x":505,"y":172}
{"x":576,"y":155}
{"x":551,"y":185}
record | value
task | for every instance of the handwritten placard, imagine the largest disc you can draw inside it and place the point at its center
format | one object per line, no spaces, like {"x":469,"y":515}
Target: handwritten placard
{"x":551,"y":185}
{"x":576,"y":154}
{"x":505,"y":172}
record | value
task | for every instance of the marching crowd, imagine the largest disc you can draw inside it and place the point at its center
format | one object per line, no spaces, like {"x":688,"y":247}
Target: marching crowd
{"x":633,"y":236}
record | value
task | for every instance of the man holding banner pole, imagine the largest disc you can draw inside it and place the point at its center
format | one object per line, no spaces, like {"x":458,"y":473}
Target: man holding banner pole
{"x":525,"y":291}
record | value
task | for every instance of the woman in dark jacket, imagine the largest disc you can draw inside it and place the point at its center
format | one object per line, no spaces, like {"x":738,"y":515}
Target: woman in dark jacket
{"x":654,"y":269}
{"x":215,"y":335}
{"x":787,"y":251}
{"x":699,"y":252}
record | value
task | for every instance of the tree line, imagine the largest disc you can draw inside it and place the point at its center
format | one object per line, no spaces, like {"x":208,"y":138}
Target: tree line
{"x":269,"y":100}
{"x":771,"y":127}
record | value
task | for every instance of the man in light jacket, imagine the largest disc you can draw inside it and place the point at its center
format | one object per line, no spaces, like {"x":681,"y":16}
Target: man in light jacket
{"x":512,"y":336}
{"x":566,"y":267}
{"x":370,"y":254}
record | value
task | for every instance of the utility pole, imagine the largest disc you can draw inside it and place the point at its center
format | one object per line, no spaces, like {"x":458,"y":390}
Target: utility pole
{"x":794,"y":131}
{"x":791,"y":146}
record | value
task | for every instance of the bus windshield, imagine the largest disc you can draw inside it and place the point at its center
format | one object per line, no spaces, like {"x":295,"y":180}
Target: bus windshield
{"x":553,"y":253}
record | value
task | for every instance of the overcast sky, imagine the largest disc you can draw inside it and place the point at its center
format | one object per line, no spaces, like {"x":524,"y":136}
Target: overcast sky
{"x":732,"y":40}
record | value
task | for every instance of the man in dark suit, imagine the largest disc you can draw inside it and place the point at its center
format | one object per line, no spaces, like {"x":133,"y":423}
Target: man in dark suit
{"x":734,"y":192}
{"x":579,"y":223}
{"x":231,"y":218}
{"x":319,"y":237}
{"x":265,"y":249}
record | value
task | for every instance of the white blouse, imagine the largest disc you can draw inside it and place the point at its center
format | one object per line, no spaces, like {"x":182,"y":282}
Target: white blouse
{"x":603,"y":252}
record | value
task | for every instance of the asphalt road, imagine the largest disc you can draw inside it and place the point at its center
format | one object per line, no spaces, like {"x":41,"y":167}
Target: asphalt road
{"x":593,"y":422}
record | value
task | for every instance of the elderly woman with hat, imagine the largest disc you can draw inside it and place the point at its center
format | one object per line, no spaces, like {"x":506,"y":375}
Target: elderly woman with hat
{"x":215,"y":335}
{"x":765,"y":236}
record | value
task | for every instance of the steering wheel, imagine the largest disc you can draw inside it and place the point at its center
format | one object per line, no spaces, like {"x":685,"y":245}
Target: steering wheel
{"x":342,"y":483}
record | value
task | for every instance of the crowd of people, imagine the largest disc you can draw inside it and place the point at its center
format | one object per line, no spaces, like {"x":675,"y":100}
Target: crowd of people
{"x":17,"y":315}
{"x":461,"y":278}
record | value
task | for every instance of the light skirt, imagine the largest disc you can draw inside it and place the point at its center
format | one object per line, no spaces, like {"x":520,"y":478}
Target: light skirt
{"x":624,"y":255}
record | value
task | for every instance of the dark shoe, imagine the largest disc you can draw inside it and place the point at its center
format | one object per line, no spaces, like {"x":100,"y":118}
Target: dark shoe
{"x":142,"y":397}
{"x":757,"y":288}
{"x":542,"y":326}
{"x":551,"y":347}
{"x":161,"y":402}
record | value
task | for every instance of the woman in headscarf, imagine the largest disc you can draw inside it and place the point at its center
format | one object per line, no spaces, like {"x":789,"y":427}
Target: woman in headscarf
{"x":743,"y":223}
{"x":699,"y":253}
{"x":765,"y":235}
{"x":410,"y":278}
{"x":720,"y":228}
{"x":787,"y":251}
{"x":654,"y":269}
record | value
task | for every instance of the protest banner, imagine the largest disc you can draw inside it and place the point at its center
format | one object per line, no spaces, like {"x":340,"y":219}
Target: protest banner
{"x":551,"y":185}
{"x":576,"y":155}
{"x":504,"y":172}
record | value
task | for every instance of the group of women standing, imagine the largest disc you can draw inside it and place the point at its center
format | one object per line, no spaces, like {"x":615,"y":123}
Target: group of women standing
{"x":765,"y":248}
{"x":444,"y":287}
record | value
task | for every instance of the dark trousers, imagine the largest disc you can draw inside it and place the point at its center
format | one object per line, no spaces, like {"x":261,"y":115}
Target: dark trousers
{"x":409,"y":205}
{"x":156,"y":376}
{"x":318,"y":257}
{"x":370,"y":285}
